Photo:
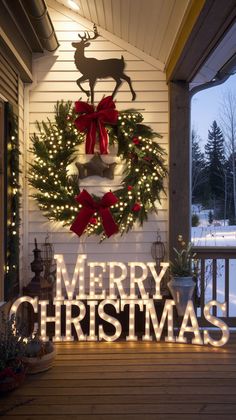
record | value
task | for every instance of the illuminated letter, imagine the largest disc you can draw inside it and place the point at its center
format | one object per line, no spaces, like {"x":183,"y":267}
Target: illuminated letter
{"x":158,"y":277}
{"x":117,"y":280}
{"x":96,"y":279}
{"x":46,"y":319}
{"x":158,"y":328}
{"x":138,"y":280}
{"x":63,"y":273}
{"x":74,"y":320}
{"x":113,"y":321}
{"x":189,"y":315}
{"x":217,"y":322}
{"x":132,"y":303}
{"x":19,"y":301}
{"x":92,"y":334}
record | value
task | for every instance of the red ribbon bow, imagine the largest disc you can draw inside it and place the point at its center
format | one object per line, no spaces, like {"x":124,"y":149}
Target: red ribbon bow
{"x":92,"y":121}
{"x":90,"y":206}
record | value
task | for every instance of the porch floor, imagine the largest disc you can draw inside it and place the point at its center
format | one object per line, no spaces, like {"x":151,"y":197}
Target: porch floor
{"x":130,"y":381}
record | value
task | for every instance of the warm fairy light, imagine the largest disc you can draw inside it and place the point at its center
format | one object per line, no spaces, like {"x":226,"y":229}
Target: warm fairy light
{"x":48,"y":319}
{"x":132,"y":303}
{"x":189,"y":316}
{"x":96,"y":281}
{"x":138,"y":280}
{"x":74,"y":320}
{"x":92,"y":307}
{"x":117,"y":281}
{"x":217,"y":323}
{"x":158,"y":327}
{"x":113,"y":321}
{"x":96,"y":306}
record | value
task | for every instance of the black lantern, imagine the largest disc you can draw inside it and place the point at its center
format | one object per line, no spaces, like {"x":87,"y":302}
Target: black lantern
{"x":158,"y":251}
{"x":37,"y":268}
{"x":48,"y":263}
{"x":48,"y":252}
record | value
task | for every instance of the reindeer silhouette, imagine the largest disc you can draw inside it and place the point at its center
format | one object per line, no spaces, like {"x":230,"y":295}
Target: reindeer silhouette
{"x":93,"y":69}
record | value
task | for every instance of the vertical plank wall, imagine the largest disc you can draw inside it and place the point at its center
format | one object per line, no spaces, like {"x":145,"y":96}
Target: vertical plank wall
{"x":22,"y":175}
{"x":55,"y":76}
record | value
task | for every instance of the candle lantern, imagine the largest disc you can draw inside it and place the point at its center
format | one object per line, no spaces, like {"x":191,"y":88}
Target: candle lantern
{"x":158,"y":251}
{"x":37,"y":268}
{"x":48,"y":263}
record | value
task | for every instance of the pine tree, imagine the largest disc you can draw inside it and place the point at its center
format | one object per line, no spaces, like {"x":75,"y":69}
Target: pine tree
{"x":215,"y":161}
{"x":210,"y":217}
{"x":198,"y":170}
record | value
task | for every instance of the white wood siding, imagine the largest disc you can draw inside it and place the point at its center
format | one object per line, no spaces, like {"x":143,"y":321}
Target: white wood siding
{"x":55,"y":79}
{"x":22,"y":176}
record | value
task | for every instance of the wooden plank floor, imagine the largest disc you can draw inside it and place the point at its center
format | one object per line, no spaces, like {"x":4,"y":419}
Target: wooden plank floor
{"x":130,"y":381}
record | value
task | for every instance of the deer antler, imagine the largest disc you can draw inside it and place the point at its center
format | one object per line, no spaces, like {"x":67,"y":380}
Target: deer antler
{"x":87,"y":37}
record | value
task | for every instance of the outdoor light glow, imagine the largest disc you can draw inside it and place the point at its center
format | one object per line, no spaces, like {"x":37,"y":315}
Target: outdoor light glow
{"x":98,"y":298}
{"x":110,"y":319}
{"x":189,"y":316}
{"x":74,"y":5}
{"x":216,"y":322}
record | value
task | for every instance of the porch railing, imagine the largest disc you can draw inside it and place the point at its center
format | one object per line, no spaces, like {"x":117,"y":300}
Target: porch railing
{"x":217,"y":281}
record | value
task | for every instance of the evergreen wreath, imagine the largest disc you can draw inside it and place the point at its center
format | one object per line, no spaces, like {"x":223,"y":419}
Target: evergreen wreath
{"x":54,"y":149}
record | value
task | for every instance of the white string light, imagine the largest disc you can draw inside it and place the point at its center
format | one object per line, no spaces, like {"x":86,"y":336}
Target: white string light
{"x":113,"y":321}
{"x":189,"y":315}
{"x":74,"y":320}
{"x":217,"y":323}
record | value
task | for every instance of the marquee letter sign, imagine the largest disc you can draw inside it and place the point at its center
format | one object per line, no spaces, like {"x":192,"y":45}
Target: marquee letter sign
{"x":71,"y":294}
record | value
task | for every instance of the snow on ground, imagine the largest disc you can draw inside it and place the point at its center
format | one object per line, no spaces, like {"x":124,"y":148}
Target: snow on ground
{"x":221,"y":235}
{"x":214,"y":235}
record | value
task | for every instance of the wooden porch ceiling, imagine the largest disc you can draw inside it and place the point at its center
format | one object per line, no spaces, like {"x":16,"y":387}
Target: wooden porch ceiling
{"x":149,"y":25}
{"x":130,"y":381}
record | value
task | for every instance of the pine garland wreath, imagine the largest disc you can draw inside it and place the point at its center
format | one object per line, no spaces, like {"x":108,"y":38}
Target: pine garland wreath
{"x":54,"y":149}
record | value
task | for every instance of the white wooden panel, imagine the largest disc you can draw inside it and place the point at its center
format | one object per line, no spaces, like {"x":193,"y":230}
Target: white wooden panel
{"x":74,"y":96}
{"x":85,"y":9}
{"x":49,"y":107}
{"x":126,"y":11}
{"x":163,"y":26}
{"x":58,"y":16}
{"x":100,"y":12}
{"x":56,"y":76}
{"x":151,"y":33}
{"x":95,"y":46}
{"x":134,"y":22}
{"x":116,"y":12}
{"x":21,"y":175}
{"x":102,"y":86}
{"x":100,"y":55}
{"x":177,"y":14}
{"x":109,"y":15}
{"x":93,"y":11}
{"x":53,"y":64}
{"x":63,"y":76}
{"x":149,"y":25}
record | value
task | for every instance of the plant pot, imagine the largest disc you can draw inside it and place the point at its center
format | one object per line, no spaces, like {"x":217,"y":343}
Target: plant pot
{"x":10,"y":380}
{"x":40,"y":363}
{"x":181,"y":289}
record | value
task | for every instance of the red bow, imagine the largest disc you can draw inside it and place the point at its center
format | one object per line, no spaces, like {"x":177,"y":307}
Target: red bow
{"x":91,"y":121}
{"x":90,"y":206}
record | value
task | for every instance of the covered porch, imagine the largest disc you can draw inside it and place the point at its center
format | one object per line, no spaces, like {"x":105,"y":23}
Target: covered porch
{"x":130,"y":381}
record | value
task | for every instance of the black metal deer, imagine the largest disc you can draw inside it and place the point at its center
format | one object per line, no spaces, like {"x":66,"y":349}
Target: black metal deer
{"x":93,"y":69}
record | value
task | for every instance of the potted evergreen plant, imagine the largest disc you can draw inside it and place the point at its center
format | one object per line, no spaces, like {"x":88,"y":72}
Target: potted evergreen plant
{"x":182,"y":270}
{"x":12,"y":369}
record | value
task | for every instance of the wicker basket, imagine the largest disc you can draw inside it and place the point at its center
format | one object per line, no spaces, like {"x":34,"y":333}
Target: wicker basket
{"x":39,"y":364}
